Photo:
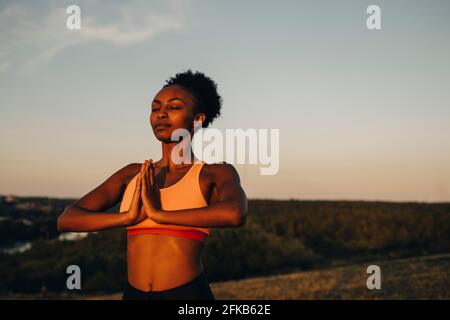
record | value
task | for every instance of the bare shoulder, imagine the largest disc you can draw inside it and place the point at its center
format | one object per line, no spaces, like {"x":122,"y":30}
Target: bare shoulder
{"x":225,"y":182}
{"x":221,"y":171}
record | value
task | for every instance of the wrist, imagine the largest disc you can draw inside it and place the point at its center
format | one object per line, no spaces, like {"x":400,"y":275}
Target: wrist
{"x":125,"y":219}
{"x":156,"y":216}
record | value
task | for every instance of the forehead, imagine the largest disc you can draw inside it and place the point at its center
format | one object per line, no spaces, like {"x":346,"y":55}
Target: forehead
{"x":173,"y":91}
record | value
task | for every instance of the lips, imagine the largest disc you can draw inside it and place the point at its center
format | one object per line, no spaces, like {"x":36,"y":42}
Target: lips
{"x":162,"y":126}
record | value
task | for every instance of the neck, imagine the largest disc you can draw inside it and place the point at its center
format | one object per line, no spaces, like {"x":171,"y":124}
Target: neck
{"x":172,"y":164}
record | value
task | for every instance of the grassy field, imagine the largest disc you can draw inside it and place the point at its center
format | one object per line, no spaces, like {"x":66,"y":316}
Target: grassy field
{"x":424,"y":277}
{"x":414,"y":278}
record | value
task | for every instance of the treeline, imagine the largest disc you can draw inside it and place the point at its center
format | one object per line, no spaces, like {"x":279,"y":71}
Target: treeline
{"x":18,"y":224}
{"x":279,"y":236}
{"x":13,"y":230}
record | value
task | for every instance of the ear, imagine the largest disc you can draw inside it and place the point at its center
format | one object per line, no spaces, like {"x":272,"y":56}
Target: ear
{"x":200,"y":117}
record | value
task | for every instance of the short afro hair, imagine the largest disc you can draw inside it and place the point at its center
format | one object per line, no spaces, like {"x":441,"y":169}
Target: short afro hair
{"x":204,"y":89}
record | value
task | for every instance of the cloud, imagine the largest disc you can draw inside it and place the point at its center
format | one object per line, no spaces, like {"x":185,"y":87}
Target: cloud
{"x":33,"y":33}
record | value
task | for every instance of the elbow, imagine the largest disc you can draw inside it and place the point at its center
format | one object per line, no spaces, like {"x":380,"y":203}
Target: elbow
{"x":241,"y":220}
{"x":239,"y":217}
{"x":61,"y":222}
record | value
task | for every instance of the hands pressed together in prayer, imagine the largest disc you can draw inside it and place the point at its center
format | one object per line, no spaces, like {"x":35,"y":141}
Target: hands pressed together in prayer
{"x":146,"y":201}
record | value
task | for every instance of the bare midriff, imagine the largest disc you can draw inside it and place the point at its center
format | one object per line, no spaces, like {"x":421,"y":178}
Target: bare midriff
{"x":160,"y":262}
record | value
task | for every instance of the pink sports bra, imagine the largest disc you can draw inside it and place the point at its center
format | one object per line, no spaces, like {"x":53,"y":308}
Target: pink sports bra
{"x":185,"y":194}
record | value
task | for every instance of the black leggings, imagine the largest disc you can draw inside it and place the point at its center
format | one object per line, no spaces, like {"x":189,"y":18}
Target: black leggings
{"x":196,"y":289}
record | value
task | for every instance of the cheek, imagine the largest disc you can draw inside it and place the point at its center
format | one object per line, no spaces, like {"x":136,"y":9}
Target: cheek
{"x":180,"y":118}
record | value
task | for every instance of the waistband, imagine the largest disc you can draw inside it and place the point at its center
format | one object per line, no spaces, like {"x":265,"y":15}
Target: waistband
{"x":197,"y":288}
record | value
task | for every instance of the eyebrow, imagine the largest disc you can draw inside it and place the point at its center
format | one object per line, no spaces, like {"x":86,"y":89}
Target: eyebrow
{"x":176,"y":98}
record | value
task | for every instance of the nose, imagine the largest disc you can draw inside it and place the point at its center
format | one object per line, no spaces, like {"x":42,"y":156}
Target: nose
{"x":162,"y":114}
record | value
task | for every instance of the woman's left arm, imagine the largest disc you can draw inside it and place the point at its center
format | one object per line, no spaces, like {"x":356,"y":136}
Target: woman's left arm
{"x":230,"y":210}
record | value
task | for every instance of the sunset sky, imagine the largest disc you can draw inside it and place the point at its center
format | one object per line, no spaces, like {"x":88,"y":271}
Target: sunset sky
{"x":363,"y":115}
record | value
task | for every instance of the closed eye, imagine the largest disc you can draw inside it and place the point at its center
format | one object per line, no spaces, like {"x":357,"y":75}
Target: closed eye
{"x":169,"y":106}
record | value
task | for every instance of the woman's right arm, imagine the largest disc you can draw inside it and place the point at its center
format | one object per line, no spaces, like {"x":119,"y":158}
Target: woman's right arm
{"x":88,"y":213}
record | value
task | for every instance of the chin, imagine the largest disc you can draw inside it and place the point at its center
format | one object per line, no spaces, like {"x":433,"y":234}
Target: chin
{"x":164,"y":136}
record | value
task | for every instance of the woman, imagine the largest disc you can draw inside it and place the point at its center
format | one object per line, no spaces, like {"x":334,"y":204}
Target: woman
{"x":168,"y":207}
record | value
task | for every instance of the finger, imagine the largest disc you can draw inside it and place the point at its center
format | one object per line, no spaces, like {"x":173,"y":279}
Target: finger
{"x":142,"y":168}
{"x":144,"y":192}
{"x":137,"y":192}
{"x":154,"y":171}
{"x":149,"y":178}
{"x":148,"y":166}
{"x":152,"y":174}
{"x":138,"y":183}
{"x":143,"y":183}
{"x":148,"y":181}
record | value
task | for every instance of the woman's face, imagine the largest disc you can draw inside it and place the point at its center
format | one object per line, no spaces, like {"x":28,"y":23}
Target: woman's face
{"x":172,"y":108}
